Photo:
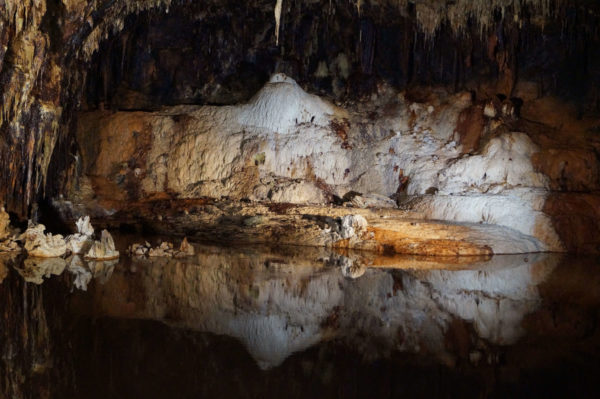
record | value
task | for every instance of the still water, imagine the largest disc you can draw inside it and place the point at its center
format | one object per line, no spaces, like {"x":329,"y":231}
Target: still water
{"x":266,"y":322}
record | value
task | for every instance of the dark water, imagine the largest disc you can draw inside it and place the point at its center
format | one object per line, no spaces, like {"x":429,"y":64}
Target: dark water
{"x":296,"y":323}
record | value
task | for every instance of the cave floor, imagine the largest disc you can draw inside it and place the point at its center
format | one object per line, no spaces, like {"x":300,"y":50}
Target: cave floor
{"x":273,"y":321}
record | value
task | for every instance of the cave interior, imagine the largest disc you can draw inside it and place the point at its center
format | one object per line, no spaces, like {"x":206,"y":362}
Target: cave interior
{"x":396,"y":176}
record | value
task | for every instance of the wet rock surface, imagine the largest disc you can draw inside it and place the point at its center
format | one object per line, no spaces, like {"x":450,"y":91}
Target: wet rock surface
{"x":288,"y":146}
{"x":305,"y":321}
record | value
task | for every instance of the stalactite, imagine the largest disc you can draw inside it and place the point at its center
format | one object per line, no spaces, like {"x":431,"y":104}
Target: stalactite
{"x":277,"y":12}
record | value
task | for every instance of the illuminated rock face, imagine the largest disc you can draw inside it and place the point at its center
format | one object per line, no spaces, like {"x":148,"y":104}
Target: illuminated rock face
{"x":308,"y":151}
{"x":286,"y":145}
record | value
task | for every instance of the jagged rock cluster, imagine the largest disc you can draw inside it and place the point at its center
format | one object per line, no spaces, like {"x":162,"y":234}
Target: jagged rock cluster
{"x":164,"y":249}
{"x":39,"y":244}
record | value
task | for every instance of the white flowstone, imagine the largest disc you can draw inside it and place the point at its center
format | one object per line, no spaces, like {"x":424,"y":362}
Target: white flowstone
{"x":282,"y":147}
{"x":373,"y":200}
{"x":281,"y":105}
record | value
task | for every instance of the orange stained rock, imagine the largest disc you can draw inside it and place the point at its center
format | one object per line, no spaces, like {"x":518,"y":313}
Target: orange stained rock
{"x":426,"y":240}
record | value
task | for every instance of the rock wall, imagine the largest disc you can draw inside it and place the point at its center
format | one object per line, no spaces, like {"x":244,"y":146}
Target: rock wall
{"x":51,"y":53}
{"x":286,"y":145}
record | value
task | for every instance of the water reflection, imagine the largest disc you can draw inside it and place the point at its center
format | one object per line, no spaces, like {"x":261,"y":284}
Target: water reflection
{"x":278,"y":302}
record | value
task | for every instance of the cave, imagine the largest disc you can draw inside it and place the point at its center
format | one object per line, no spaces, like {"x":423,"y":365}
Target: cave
{"x":358,"y":198}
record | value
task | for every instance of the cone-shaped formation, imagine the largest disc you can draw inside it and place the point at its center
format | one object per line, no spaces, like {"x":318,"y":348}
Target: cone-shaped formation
{"x":103,"y":249}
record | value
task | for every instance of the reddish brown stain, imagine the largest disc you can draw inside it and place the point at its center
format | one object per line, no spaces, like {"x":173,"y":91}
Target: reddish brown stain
{"x":470,"y":128}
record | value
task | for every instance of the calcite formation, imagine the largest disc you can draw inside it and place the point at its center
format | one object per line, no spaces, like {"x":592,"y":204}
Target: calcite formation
{"x":81,"y":241}
{"x":103,"y":249}
{"x":39,"y":244}
{"x":8,"y":242}
{"x":313,"y":152}
{"x":459,"y":154}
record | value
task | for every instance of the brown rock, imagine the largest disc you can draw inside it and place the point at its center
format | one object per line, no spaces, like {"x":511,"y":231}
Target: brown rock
{"x":470,"y":127}
{"x":4,"y":223}
{"x":576,"y":218}
{"x":568,"y":169}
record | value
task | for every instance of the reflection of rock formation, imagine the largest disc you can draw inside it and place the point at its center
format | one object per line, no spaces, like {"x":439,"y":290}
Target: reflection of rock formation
{"x":82,"y":276}
{"x":495,"y":300}
{"x":274,"y":305}
{"x":277,"y":305}
{"x":34,"y":270}
{"x":415,"y":311}
{"x":83,"y":271}
{"x":102,"y":270}
{"x":3,"y":267}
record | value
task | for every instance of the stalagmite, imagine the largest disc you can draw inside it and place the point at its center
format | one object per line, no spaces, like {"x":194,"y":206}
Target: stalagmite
{"x":185,"y":249}
{"x":103,"y":249}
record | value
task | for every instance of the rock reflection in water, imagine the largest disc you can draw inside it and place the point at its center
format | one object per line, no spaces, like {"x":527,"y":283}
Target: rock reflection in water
{"x":278,"y":306}
{"x":261,"y":321}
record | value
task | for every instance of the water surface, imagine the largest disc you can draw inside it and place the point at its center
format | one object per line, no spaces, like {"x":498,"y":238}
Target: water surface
{"x":298,"y":322}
